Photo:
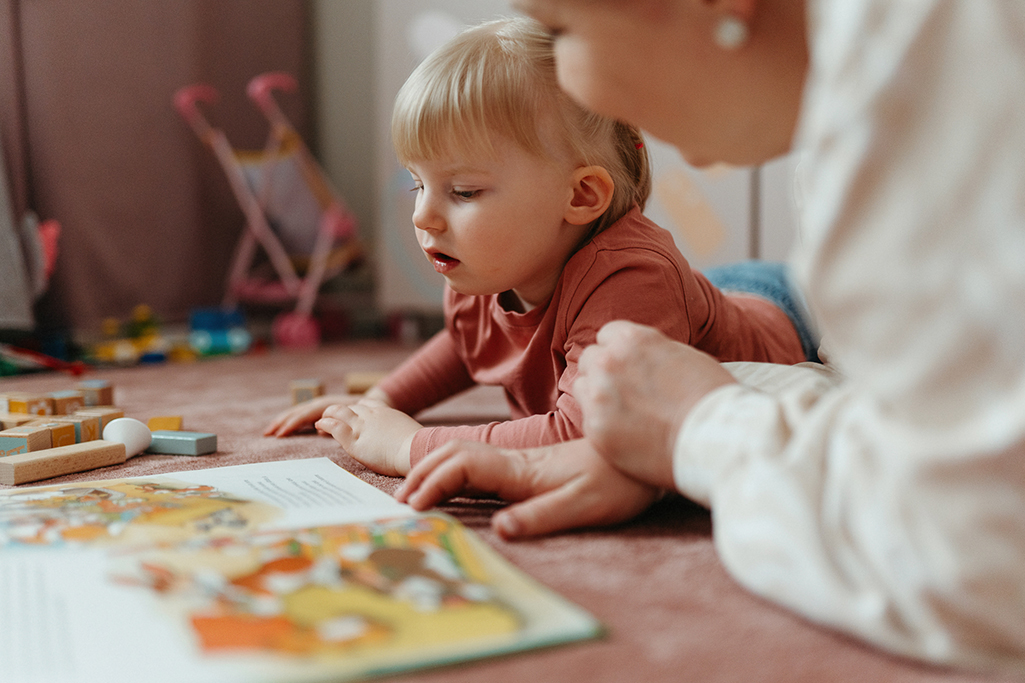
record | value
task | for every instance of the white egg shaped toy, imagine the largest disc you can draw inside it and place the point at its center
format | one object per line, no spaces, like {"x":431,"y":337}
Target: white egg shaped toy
{"x":135,"y":435}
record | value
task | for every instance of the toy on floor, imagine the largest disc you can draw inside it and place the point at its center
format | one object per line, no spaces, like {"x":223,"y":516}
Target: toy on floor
{"x":171,"y":423}
{"x":169,"y":442}
{"x":137,"y":340}
{"x":303,"y":390}
{"x":97,"y":392}
{"x":135,"y":436}
{"x":291,"y":211}
{"x":33,"y":360}
{"x":216,"y":331}
{"x":52,"y":462}
{"x":35,"y":446}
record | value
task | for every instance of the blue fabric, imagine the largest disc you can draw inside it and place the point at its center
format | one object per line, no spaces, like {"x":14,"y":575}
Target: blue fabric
{"x":771,"y":281}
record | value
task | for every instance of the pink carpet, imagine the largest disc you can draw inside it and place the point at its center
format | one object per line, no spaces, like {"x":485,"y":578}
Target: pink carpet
{"x":671,"y":610}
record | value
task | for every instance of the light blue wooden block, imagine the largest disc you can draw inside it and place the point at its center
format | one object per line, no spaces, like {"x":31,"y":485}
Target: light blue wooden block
{"x":182,"y":443}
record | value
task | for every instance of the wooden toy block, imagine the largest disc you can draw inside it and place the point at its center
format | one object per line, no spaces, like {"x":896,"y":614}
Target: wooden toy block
{"x":24,"y":439}
{"x":305,"y":389}
{"x":67,"y":402}
{"x":360,"y":382}
{"x":61,"y":433}
{"x":104,"y":413}
{"x":97,"y":392}
{"x":9,"y":420}
{"x":87,"y":427}
{"x":52,"y":462}
{"x":182,"y":443}
{"x":30,"y":404}
{"x":167,"y":423}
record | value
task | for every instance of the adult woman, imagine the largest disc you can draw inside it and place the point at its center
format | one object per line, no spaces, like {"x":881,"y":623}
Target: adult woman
{"x":887,"y":501}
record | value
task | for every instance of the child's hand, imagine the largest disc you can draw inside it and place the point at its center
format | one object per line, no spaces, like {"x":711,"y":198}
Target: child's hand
{"x":370,"y":431}
{"x":304,"y":414}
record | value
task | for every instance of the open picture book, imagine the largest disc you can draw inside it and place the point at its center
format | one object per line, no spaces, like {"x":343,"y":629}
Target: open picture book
{"x":282,"y":571}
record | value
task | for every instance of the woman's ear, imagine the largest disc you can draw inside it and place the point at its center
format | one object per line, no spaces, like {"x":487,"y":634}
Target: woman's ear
{"x":592,"y":194}
{"x":742,"y":9}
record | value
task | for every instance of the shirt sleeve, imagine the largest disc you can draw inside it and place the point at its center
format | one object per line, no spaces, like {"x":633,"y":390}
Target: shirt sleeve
{"x":431,"y":374}
{"x":890,"y":502}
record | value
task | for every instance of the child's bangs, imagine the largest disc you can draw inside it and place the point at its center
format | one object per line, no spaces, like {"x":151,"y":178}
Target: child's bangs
{"x":433,"y":126}
{"x":456,"y":104}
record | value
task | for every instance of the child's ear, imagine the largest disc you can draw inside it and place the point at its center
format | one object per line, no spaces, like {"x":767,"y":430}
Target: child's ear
{"x":592,"y":194}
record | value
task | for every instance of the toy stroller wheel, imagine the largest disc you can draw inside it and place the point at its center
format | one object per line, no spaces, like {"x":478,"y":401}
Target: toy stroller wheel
{"x":295,"y":331}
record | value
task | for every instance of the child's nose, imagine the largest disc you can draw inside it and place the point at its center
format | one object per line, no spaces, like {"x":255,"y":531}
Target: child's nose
{"x":425,"y":217}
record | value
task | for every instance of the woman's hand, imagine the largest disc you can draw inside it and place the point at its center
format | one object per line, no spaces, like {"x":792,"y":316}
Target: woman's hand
{"x":373,"y":433}
{"x":635,"y":387}
{"x":558,"y":487}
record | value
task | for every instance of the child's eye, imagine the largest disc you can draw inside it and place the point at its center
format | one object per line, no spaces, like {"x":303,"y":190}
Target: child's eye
{"x":416,"y":187}
{"x":466,"y":194}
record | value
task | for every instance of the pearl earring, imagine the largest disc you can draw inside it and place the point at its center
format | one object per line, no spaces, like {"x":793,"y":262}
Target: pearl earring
{"x":731,"y":33}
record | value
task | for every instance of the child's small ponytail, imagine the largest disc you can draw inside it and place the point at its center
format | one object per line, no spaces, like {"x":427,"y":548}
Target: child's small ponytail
{"x":633,"y":151}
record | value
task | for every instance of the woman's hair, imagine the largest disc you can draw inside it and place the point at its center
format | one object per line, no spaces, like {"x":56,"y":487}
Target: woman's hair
{"x":499,"y":78}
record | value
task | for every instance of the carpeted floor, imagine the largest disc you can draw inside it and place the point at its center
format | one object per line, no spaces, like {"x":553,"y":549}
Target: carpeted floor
{"x":671,"y":611}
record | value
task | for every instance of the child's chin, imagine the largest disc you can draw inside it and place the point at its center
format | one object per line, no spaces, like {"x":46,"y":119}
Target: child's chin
{"x":467,"y":289}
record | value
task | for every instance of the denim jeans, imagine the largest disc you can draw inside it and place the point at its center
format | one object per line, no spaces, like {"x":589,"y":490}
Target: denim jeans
{"x":771,"y":281}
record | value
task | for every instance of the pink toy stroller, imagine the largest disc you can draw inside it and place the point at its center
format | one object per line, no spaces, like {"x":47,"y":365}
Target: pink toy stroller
{"x":290,"y":210}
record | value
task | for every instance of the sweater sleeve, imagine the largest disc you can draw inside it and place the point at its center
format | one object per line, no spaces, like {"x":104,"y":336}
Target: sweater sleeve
{"x":430,"y":375}
{"x":889,"y":503}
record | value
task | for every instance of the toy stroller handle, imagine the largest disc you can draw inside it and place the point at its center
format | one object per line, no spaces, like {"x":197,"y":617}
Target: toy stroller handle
{"x":261,"y":91}
{"x":185,"y":102}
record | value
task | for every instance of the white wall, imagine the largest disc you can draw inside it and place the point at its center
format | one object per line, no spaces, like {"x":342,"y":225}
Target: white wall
{"x":364,"y":51}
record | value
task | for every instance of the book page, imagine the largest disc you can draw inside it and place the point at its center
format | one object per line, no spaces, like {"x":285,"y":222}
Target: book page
{"x":288,"y":571}
{"x":178,"y":505}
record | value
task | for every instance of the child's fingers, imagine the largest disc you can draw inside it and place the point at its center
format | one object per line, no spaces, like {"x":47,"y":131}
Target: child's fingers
{"x":292,"y":420}
{"x":274,"y":426}
{"x":340,"y":413}
{"x":294,"y":423}
{"x":271,"y":428}
{"x":338,"y":429}
{"x":303,"y":414}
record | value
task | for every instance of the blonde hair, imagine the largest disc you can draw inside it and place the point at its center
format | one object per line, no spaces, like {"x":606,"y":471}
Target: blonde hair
{"x":499,"y":78}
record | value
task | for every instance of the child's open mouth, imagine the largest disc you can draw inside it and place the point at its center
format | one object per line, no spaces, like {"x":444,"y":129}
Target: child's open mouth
{"x":442,"y":263}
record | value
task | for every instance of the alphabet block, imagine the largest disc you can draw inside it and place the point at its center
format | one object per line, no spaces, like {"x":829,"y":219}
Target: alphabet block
{"x":24,"y":439}
{"x":87,"y":427}
{"x":30,"y":404}
{"x":97,"y":392}
{"x":9,"y":420}
{"x":67,"y":402}
{"x":305,"y":389}
{"x":61,"y":433}
{"x":104,"y":413}
{"x":52,"y":462}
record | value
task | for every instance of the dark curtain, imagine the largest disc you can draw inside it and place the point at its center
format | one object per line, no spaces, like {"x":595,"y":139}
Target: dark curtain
{"x":93,"y":141}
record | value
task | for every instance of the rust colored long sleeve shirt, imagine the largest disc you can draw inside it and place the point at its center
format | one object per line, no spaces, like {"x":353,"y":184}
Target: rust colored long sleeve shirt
{"x":631,"y":271}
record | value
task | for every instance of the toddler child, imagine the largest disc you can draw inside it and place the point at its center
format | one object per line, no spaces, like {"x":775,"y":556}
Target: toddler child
{"x":530,"y":207}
